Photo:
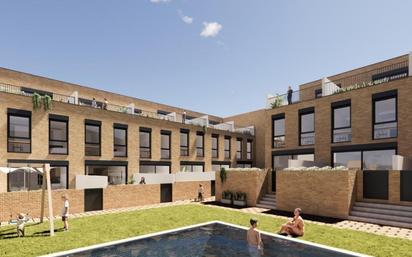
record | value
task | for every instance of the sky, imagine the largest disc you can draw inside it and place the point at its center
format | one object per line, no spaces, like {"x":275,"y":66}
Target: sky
{"x":221,"y":57}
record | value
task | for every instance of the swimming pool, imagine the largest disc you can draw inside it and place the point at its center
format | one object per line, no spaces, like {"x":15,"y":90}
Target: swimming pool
{"x":208,"y":239}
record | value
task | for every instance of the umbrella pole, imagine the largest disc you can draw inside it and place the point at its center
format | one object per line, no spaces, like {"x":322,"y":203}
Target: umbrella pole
{"x":49,"y":198}
{"x":43,"y":195}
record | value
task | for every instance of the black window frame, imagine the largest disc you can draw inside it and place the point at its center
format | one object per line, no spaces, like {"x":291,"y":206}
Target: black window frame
{"x":124,"y":164}
{"x":381,"y":97}
{"x":302,"y":112}
{"x":239,"y":151}
{"x":167,"y":133}
{"x":117,"y":126}
{"x":93,"y":123}
{"x":249,"y":155}
{"x":227,"y":151}
{"x":184,"y":149}
{"x":59,"y":118}
{"x":191,"y":164}
{"x":155,"y":164}
{"x":149,"y":131}
{"x":202,"y":148}
{"x":215,"y":150}
{"x":275,"y":118}
{"x":21,"y":114}
{"x":339,"y":105}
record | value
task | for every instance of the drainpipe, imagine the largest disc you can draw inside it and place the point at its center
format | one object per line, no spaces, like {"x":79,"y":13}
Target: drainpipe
{"x":410,"y":64}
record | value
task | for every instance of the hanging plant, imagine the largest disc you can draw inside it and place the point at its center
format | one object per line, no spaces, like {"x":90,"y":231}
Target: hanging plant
{"x":223,"y":175}
{"x":277,"y":102}
{"x":47,"y":102}
{"x":204,"y":129}
{"x":36,"y":100}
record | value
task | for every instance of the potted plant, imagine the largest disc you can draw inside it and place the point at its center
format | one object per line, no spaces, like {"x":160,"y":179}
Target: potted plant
{"x":36,"y":99}
{"x":47,"y":102}
{"x":226,"y":197}
{"x":239,"y":199}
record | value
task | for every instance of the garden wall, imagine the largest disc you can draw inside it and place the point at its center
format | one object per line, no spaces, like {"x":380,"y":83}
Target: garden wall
{"x":189,"y":190}
{"x":122,"y":196}
{"x":324,"y":193}
{"x":252,"y":182}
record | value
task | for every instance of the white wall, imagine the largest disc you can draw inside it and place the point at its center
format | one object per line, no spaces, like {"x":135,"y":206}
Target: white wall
{"x":90,"y":181}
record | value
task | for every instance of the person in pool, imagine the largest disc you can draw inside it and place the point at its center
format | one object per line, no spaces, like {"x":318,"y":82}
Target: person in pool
{"x":295,"y":227}
{"x":254,"y":240}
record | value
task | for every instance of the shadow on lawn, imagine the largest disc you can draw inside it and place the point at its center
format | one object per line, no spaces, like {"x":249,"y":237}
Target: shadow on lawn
{"x":11,"y":232}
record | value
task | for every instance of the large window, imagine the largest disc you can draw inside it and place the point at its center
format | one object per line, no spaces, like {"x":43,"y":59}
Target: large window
{"x":116,"y":175}
{"x":366,"y":160}
{"x":218,"y":165}
{"x":145,"y":142}
{"x":165,"y":144}
{"x":227,"y":147}
{"x":200,"y":144}
{"x":19,"y":131}
{"x":58,"y":134}
{"x":184,"y":142}
{"x":191,"y":167}
{"x":307,"y":127}
{"x":244,"y":165}
{"x":215,"y":146}
{"x":342,"y":131}
{"x":93,"y":138}
{"x":385,"y":115}
{"x":280,"y":162}
{"x":239,"y":148}
{"x":249,"y":149}
{"x":158,"y":168}
{"x":120,"y":140}
{"x":278,"y":131}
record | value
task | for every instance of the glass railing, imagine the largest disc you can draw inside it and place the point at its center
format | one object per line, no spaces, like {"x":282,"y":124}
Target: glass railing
{"x":385,"y":130}
{"x":342,"y":135}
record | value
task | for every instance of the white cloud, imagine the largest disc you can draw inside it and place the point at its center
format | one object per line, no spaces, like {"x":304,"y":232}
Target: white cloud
{"x":211,"y":29}
{"x":186,"y":19}
{"x":159,"y":1}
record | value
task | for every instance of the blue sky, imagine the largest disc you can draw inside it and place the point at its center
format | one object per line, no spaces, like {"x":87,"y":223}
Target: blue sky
{"x":157,"y":49}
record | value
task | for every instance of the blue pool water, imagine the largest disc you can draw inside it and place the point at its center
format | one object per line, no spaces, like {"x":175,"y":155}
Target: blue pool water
{"x":209,"y":240}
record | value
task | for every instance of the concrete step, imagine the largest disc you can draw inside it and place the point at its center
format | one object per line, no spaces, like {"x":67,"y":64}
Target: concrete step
{"x":381,"y":217}
{"x":383,"y":211}
{"x":381,"y":222}
{"x":268,"y":199}
{"x":267,"y":202}
{"x":266,"y":206}
{"x":383,"y":206}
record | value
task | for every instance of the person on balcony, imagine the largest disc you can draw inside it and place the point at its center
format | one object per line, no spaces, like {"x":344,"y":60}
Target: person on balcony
{"x":105,"y":104}
{"x":184,"y":117}
{"x":295,"y":227}
{"x":290,"y":92}
{"x":94,"y":103}
{"x":142,"y":181}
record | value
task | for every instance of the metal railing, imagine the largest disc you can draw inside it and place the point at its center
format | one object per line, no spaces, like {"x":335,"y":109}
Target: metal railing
{"x":327,"y":87}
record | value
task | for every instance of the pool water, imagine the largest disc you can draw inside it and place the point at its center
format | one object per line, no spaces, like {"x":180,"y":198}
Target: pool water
{"x":215,"y":239}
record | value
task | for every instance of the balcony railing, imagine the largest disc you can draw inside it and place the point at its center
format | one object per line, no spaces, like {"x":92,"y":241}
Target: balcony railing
{"x":377,"y":76}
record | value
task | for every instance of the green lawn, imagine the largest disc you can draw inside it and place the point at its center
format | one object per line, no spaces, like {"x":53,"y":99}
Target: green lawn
{"x":103,"y":228}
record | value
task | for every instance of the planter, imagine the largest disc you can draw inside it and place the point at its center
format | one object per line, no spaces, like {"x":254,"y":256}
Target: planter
{"x":226,"y":201}
{"x":239,"y":203}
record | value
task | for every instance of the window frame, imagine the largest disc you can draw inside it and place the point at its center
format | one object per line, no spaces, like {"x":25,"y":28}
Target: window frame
{"x":249,"y":155}
{"x":169,"y":134}
{"x":229,"y":151}
{"x":58,"y":118}
{"x":339,"y":105}
{"x":239,"y":151}
{"x":93,"y":124}
{"x":120,"y":127}
{"x":98,"y":163}
{"x":155,"y":164}
{"x":184,"y":148}
{"x":149,"y":131}
{"x":362,"y":150}
{"x":21,"y":114}
{"x":215,"y":150}
{"x":191,"y":164}
{"x":382,"y":97}
{"x":275,"y":118}
{"x":202,"y":148}
{"x":303,"y":112}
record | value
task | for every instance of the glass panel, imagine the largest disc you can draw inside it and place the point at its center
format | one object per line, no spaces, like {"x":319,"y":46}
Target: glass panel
{"x":144,"y":139}
{"x":341,"y":117}
{"x":19,"y":126}
{"x":165,"y":141}
{"x":92,"y":134}
{"x":227,"y":144}
{"x":57,"y":147}
{"x":184,"y":139}
{"x":58,"y":177}
{"x":19,"y":145}
{"x":215,"y":167}
{"x":199,"y":141}
{"x":281,"y":161}
{"x":347,"y":159}
{"x":197,"y":168}
{"x":378,"y":160}
{"x":92,"y":149}
{"x":307,"y":139}
{"x":58,"y":130}
{"x":342,"y":135}
{"x":279,"y":127}
{"x":163,"y":169}
{"x":385,"y":110}
{"x":120,"y":136}
{"x":214,"y":143}
{"x":116,"y":175}
{"x":23,"y":180}
{"x":184,"y":151}
{"x":304,"y":157}
{"x":214,"y":153}
{"x":386,"y":130}
{"x":185,"y":168}
{"x":145,"y":153}
{"x":307,"y":122}
{"x":165,"y":154}
{"x":147,"y":169}
{"x":199,"y":152}
{"x":120,"y":151}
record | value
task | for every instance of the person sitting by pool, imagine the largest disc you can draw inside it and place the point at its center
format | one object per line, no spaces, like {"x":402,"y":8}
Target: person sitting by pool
{"x":295,"y":227}
{"x":253,"y":238}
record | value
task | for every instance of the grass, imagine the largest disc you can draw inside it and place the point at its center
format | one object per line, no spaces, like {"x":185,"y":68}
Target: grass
{"x":103,"y":228}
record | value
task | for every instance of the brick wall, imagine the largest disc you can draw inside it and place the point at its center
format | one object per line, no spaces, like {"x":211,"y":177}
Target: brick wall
{"x":122,"y":196}
{"x":323,"y":193}
{"x":189,"y":190}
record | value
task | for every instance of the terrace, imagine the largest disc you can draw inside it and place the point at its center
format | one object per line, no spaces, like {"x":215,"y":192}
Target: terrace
{"x":372,"y":75}
{"x":131,"y":109}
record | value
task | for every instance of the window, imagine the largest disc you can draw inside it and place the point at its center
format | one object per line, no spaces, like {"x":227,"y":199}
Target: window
{"x":239,"y":150}
{"x":244,"y":165}
{"x":191,"y":167}
{"x":218,"y":165}
{"x":366,"y":159}
{"x":249,"y":146}
{"x":278,"y":131}
{"x":385,"y":115}
{"x":348,"y":159}
{"x":227,"y":147}
{"x":165,"y":144}
{"x":19,"y":131}
{"x":199,"y":144}
{"x":215,"y":146}
{"x":184,"y":142}
{"x":120,"y":140}
{"x":307,"y":126}
{"x":145,"y":141}
{"x":280,"y":162}
{"x":154,"y":168}
{"x":59,"y":176}
{"x":318,"y":93}
{"x":116,"y":175}
{"x":341,"y":116}
{"x":58,"y":134}
{"x":93,"y":138}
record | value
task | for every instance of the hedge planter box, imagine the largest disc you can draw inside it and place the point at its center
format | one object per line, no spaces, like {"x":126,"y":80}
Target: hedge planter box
{"x":226,"y":201}
{"x":239,"y":203}
{"x":327,"y":193}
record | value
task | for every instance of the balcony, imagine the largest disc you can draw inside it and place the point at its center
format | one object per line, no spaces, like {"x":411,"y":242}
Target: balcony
{"x":371,"y":77}
{"x":74,"y":99}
